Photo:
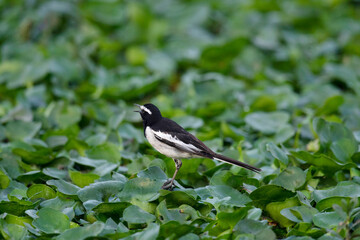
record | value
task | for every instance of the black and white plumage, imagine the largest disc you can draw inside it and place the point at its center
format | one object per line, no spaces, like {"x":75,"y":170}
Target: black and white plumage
{"x":170,"y":139}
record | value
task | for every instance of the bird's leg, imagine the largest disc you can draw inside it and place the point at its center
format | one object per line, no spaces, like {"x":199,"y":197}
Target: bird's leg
{"x":169,"y":185}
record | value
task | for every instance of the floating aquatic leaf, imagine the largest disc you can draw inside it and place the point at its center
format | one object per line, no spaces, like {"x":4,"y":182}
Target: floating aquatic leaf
{"x":64,"y":187}
{"x":37,"y":191}
{"x":267,"y":123}
{"x":92,"y":230}
{"x":51,"y":221}
{"x":100,"y":191}
{"x":143,"y":189}
{"x":222,"y":195}
{"x":20,"y":130}
{"x":134,"y":214}
{"x":82,"y":179}
{"x":271,"y":83}
{"x":291,"y":178}
{"x":269,"y":193}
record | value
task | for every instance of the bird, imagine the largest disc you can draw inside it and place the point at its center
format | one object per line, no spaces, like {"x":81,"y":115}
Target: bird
{"x":172,"y":140}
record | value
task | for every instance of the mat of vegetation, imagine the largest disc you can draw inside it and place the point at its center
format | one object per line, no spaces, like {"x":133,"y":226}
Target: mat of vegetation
{"x":275,"y":84}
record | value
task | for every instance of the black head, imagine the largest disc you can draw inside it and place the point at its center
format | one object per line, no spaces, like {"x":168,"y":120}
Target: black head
{"x":149,"y":113}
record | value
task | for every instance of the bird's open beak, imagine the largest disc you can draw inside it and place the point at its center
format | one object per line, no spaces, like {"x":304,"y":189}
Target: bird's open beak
{"x":139,"y":106}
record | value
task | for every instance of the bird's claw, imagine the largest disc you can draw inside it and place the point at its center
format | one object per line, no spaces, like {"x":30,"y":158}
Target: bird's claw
{"x":168,"y":185}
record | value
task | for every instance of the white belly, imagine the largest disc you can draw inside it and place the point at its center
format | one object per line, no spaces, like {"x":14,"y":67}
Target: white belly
{"x":164,"y":148}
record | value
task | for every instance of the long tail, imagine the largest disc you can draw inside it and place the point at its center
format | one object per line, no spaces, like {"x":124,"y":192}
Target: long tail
{"x":235,"y":162}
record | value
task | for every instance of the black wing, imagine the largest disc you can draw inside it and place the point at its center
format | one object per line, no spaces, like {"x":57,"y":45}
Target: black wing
{"x":176,"y":131}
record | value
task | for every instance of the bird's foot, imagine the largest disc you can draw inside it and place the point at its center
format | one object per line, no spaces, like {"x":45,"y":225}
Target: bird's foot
{"x":168,"y":185}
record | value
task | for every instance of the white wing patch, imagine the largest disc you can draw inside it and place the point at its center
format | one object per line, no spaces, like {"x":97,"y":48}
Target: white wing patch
{"x":145,"y":109}
{"x":170,"y":151}
{"x":175,"y":140}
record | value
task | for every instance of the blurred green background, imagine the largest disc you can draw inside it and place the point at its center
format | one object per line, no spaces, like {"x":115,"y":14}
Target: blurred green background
{"x":273,"y":83}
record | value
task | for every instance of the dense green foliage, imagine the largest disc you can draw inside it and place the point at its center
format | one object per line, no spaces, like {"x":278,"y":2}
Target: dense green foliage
{"x":275,"y":84}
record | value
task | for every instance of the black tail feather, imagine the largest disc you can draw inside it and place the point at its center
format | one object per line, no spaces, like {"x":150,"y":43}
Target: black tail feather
{"x":235,"y":162}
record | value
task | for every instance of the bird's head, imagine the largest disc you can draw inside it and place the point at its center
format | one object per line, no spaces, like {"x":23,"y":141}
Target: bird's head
{"x":149,"y":113}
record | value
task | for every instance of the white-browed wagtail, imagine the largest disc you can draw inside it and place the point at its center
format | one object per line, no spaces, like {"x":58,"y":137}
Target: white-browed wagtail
{"x":170,"y":139}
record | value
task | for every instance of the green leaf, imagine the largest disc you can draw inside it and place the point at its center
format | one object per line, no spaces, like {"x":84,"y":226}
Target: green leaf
{"x":340,"y":139}
{"x":299,"y":213}
{"x":222,"y":195}
{"x":219,"y":58}
{"x":13,"y":231}
{"x":111,"y":209}
{"x":134,"y":214}
{"x":177,"y":198}
{"x":343,"y":189}
{"x":184,"y":198}
{"x":344,"y":73}
{"x":82,"y":179}
{"x":161,"y":63}
{"x":151,"y":232}
{"x":66,"y":115}
{"x":136,"y":56}
{"x":127,"y":131}
{"x":328,"y":220}
{"x":4,"y":180}
{"x":167,"y":229}
{"x":327,"y":164}
{"x":17,"y":207}
{"x":291,"y":178}
{"x":274,"y":209}
{"x":269,"y":193}
{"x":92,"y":230}
{"x":56,"y":141}
{"x":136,"y":86}
{"x":283,"y":134}
{"x":12,"y":219}
{"x":100,"y":191}
{"x":37,"y":191}
{"x":32,"y":176}
{"x":97,"y":139}
{"x":104,"y":13}
{"x":189,"y":122}
{"x":228,"y":220}
{"x":101,"y":167}
{"x":327,"y":203}
{"x":51,"y":221}
{"x":143,"y":189}
{"x":344,"y":148}
{"x":10,"y":164}
{"x":263,"y":103}
{"x":307,"y":231}
{"x":20,"y":130}
{"x":277,"y":153}
{"x":230,"y":131}
{"x":330,"y":106}
{"x":55,"y":172}
{"x":167,"y":215}
{"x":191,"y":213}
{"x":190,"y":236}
{"x":40,"y":156}
{"x":252,"y":79}
{"x":256,"y":228}
{"x":107,"y":151}
{"x":154,"y":173}
{"x":64,"y":187}
{"x":267,"y":123}
{"x":58,"y":203}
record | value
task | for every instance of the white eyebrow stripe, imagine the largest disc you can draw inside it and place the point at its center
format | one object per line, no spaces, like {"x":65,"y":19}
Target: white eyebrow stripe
{"x":174,"y":139}
{"x":145,"y":109}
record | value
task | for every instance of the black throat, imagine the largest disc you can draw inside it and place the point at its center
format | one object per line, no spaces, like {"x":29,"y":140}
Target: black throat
{"x":150,"y":116}
{"x":148,"y":122}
